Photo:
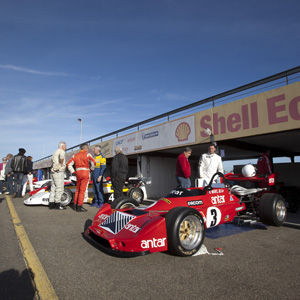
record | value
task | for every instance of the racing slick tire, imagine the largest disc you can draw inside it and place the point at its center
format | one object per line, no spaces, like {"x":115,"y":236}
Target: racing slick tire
{"x":185,"y":231}
{"x":124,"y":202}
{"x":136,"y":194}
{"x":272,"y":209}
{"x":66,"y":197}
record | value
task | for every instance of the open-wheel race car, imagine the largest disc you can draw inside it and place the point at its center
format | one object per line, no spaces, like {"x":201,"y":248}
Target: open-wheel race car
{"x":178,"y":221}
{"x":134,"y":188}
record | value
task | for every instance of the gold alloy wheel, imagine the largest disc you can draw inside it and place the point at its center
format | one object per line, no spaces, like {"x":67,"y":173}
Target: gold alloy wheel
{"x":190,"y":232}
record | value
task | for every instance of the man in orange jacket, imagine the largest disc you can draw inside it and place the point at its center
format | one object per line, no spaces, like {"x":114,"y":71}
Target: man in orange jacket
{"x":81,"y":161}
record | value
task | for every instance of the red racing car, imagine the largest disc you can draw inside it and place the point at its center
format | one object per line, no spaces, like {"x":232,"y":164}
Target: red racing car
{"x":176,"y":222}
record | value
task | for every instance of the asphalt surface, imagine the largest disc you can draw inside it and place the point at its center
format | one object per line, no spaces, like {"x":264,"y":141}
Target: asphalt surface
{"x":263,"y":263}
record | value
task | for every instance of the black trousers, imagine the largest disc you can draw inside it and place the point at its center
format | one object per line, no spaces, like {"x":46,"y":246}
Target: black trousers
{"x":118,"y":184}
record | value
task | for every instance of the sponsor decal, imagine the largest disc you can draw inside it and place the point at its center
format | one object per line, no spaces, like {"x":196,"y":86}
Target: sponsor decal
{"x":166,"y":200}
{"x":271,"y":180}
{"x":119,"y":142}
{"x":103,"y":216}
{"x":218,"y":199}
{"x":116,"y":222}
{"x":132,"y":228}
{"x":226,"y":219}
{"x":149,"y":135}
{"x":231,"y":198}
{"x":195,"y":203}
{"x":139,"y":147}
{"x":239,"y":208}
{"x":182,"y":131}
{"x":131,"y":140}
{"x":174,"y":192}
{"x":217,"y":191}
{"x":154,"y":243}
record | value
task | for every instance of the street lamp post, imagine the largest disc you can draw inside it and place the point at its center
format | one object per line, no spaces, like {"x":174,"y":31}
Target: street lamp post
{"x":80,"y":120}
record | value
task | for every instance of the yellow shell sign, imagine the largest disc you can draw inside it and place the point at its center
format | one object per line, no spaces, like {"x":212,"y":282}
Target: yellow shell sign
{"x":182,"y":131}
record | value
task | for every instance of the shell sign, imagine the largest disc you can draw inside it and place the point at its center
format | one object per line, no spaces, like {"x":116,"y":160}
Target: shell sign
{"x":182,"y":131}
{"x":272,"y":111}
{"x":178,"y":132}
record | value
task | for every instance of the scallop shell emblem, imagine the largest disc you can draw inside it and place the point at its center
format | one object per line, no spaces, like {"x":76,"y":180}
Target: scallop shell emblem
{"x":182,"y":131}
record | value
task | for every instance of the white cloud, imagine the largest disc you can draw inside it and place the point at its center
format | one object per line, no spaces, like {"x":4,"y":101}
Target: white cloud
{"x":27,"y":70}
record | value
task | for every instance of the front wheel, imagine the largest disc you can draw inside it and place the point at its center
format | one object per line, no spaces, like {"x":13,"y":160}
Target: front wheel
{"x":124,"y":202}
{"x":272,"y":209}
{"x":185,"y":231}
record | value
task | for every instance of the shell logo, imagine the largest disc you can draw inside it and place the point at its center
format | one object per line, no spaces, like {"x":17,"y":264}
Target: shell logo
{"x":182,"y":131}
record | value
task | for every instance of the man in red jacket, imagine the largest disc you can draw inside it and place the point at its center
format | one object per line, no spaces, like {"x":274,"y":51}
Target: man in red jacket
{"x":81,"y":161}
{"x":183,"y":168}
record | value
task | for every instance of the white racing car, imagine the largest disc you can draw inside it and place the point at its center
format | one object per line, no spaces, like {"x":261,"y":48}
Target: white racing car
{"x":134,"y":188}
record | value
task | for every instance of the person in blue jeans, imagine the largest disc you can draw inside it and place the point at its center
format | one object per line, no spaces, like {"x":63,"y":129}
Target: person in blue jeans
{"x":98,"y":177}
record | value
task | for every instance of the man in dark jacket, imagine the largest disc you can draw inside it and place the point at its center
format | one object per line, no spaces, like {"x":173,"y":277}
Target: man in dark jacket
{"x":119,"y":170}
{"x":19,"y":167}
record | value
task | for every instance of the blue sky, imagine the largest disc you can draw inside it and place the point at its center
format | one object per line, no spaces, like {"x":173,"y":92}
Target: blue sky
{"x":115,"y":63}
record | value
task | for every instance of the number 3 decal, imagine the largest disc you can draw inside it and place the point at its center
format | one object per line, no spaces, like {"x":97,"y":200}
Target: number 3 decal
{"x":213,"y":217}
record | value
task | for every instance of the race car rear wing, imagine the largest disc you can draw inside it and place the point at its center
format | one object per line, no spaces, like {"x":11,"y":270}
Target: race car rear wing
{"x":270,"y":180}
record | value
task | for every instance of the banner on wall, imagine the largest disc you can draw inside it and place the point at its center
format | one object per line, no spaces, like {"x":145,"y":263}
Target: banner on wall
{"x":268,"y":112}
{"x":175,"y":133}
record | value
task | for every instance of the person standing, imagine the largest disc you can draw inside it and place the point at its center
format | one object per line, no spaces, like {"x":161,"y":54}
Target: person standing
{"x":119,"y":170}
{"x":28,"y":177}
{"x":81,"y":161}
{"x":57,"y":176}
{"x":9,"y":175}
{"x":39,"y":175}
{"x":209,"y":164}
{"x":183,"y":168}
{"x":264,"y":165}
{"x":2,"y":174}
{"x":97,"y":177}
{"x":19,"y":167}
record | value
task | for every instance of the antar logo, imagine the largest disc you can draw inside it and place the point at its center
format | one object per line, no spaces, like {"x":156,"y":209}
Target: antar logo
{"x":154,"y":243}
{"x":218,"y":199}
{"x":132,"y":228}
{"x":103,"y":216}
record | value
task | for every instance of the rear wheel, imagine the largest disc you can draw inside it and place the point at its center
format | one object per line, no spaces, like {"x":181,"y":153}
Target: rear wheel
{"x":185,"y":231}
{"x":66,"y":197}
{"x":124,"y":202}
{"x":272,"y":209}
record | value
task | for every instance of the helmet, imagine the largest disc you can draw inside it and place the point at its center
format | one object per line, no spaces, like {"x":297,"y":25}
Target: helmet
{"x":248,"y":171}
